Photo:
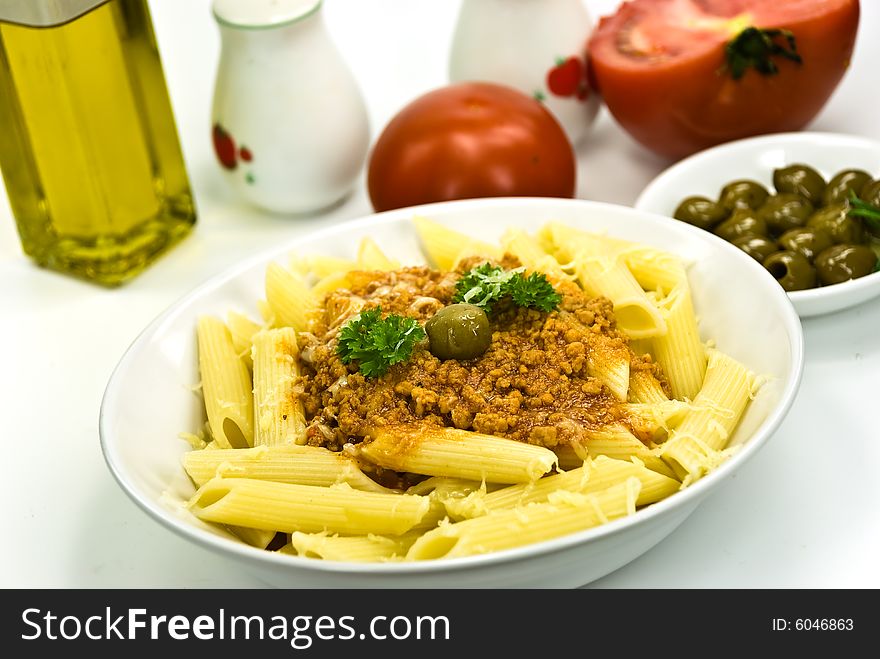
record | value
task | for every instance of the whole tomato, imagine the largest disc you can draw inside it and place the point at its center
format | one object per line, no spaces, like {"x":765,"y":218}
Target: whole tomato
{"x":470,"y":140}
{"x":683,"y":75}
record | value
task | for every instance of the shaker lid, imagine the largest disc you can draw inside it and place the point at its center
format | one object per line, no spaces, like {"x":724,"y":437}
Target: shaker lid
{"x":44,"y":13}
{"x":263,"y":13}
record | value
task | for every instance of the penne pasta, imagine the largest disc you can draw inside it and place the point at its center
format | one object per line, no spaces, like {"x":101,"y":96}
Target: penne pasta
{"x":654,"y":269}
{"x":458,"y":454}
{"x":226,"y":386}
{"x":653,"y":421}
{"x":645,"y":388}
{"x":242,"y":330}
{"x":610,"y":363}
{"x":278,"y":413}
{"x":286,"y":507}
{"x":289,"y":298}
{"x":609,"y":277}
{"x":258,"y":538}
{"x":594,"y":476}
{"x":564,"y":513}
{"x":680,"y":352}
{"x":322,"y":266}
{"x":329,"y":283}
{"x":695,"y":446}
{"x":300,"y":465}
{"x":370,"y":257}
{"x":530,"y":253}
{"x":445,"y":247}
{"x":355,"y":549}
{"x":615,"y":442}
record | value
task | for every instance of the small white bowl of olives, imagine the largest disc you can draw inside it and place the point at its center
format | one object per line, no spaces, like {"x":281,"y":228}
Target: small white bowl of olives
{"x":805,"y":205}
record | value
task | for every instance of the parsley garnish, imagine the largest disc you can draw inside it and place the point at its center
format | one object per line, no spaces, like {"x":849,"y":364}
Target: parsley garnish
{"x":868,"y":212}
{"x":486,"y":284}
{"x":378,"y":343}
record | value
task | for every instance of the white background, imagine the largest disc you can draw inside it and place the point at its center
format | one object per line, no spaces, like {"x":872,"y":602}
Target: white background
{"x":802,"y":513}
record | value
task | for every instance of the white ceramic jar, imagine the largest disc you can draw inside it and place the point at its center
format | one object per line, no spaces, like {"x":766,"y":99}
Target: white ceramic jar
{"x":289,"y":124}
{"x":537,"y":46}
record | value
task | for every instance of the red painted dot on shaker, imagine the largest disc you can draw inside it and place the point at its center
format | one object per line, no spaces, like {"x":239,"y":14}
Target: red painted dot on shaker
{"x":224,"y":147}
{"x":245,"y":154}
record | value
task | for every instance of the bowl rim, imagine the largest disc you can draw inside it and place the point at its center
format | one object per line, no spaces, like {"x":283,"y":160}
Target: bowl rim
{"x":262,"y":558}
{"x":680,"y":169}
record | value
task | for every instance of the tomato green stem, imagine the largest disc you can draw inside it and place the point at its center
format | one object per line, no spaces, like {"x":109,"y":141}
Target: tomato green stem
{"x":756,"y":48}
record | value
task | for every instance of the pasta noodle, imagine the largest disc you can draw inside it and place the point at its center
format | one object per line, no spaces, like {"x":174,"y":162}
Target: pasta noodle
{"x":277,"y":411}
{"x":287,"y":508}
{"x":458,"y":454}
{"x":301,"y":465}
{"x":225,"y":386}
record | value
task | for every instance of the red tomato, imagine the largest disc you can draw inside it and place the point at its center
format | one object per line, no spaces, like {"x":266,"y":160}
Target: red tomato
{"x":470,"y":140}
{"x":672,"y":72}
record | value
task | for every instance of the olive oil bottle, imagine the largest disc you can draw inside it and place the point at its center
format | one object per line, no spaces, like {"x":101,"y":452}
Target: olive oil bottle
{"x":88,"y":145}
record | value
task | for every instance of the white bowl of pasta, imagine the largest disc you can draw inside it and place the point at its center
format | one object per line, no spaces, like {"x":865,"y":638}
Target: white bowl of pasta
{"x":334,"y":442}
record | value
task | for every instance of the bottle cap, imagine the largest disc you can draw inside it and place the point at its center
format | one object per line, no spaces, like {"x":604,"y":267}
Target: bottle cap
{"x":44,"y":13}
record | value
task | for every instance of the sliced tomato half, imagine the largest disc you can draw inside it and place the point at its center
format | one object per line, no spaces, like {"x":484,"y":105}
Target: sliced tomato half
{"x":683,"y":75}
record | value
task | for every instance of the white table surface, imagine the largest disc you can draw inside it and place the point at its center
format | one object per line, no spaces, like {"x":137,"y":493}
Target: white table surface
{"x":802,"y":513}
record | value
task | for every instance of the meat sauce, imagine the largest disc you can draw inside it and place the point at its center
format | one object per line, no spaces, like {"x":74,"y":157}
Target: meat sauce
{"x":531,"y":385}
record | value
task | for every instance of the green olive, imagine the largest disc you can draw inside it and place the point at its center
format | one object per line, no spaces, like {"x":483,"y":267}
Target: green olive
{"x":743,"y":194}
{"x":743,"y":222}
{"x":806,"y":241}
{"x":870,"y":192}
{"x":459,"y":331}
{"x":843,"y":184}
{"x":835,"y":221}
{"x":791,"y":270}
{"x":700,"y":211}
{"x":785,"y":211}
{"x":758,"y":247}
{"x":844,"y":262}
{"x":800,"y":179}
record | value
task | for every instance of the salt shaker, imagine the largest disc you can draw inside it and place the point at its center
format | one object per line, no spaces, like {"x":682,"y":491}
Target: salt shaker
{"x":289,"y":124}
{"x":536,"y":46}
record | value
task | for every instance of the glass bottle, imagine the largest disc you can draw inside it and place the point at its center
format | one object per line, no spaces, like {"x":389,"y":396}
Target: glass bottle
{"x":89,"y":149}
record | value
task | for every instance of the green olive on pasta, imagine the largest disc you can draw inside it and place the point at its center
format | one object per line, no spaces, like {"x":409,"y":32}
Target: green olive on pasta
{"x":459,"y":331}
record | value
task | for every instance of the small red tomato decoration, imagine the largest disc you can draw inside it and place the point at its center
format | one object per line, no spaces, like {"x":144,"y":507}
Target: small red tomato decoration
{"x":684,"y":75}
{"x":245,"y":154}
{"x":566,"y":77}
{"x":470,"y":140}
{"x":224,"y":147}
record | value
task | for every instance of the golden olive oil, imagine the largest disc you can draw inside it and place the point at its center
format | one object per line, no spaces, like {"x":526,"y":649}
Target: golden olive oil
{"x":89,"y":149}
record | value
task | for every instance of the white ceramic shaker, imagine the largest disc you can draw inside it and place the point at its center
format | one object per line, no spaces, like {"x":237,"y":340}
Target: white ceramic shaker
{"x":289,"y":124}
{"x":537,"y":46}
